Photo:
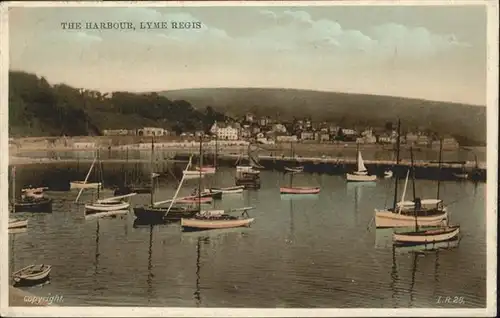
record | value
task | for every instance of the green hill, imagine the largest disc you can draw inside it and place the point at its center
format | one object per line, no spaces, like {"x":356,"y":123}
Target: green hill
{"x":466,"y":122}
{"x":37,"y":108}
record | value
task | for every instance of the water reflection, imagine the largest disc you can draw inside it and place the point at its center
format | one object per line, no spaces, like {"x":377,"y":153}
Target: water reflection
{"x":150,"y":266}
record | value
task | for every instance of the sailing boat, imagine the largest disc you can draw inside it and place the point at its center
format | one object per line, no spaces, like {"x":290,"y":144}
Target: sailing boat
{"x":105,"y":207}
{"x":248,"y":165}
{"x":196,"y":173}
{"x":426,"y":236}
{"x":127,"y":188}
{"x":388,"y":173}
{"x":296,"y":168}
{"x":431,"y":212}
{"x":214,"y":219}
{"x":298,"y":190}
{"x":32,"y":200}
{"x":360,"y":175}
{"x":210,"y":169}
{"x":84,"y":184}
{"x":155,"y":213}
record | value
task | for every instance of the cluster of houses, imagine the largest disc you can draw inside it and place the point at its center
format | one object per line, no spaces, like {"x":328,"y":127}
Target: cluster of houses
{"x":267,"y":130}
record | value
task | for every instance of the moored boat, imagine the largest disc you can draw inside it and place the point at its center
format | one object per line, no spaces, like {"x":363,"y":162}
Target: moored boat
{"x":194,"y":200}
{"x":32,"y":275}
{"x":427,"y":236}
{"x":84,"y":185}
{"x":15,"y":223}
{"x":214,"y":222}
{"x":360,"y":175}
{"x":228,"y":190}
{"x":43,"y":205}
{"x":388,"y":174}
{"x":132,"y":189}
{"x":206,"y":169}
{"x":294,"y":169}
{"x":300,"y":190}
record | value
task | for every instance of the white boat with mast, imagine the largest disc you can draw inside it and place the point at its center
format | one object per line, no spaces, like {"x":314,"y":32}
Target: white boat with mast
{"x":207,"y":169}
{"x":155,"y":213}
{"x":115,"y":205}
{"x":431,"y":212}
{"x":84,"y":184}
{"x":248,"y":164}
{"x":296,"y":168}
{"x":441,"y":233}
{"x":215,"y":219}
{"x":361,"y":174}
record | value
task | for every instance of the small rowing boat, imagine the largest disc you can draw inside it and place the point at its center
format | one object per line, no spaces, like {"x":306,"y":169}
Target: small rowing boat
{"x":31,"y":275}
{"x":300,"y":190}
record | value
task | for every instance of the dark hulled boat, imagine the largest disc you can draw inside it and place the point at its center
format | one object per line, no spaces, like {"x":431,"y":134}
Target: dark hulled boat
{"x":43,"y":205}
{"x":159,"y":214}
{"x":132,"y":189}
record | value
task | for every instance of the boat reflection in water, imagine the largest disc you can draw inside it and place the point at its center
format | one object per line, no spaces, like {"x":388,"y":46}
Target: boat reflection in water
{"x":417,"y":253}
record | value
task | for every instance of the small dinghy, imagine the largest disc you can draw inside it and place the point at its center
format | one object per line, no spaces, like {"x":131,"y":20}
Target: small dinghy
{"x":300,"y":190}
{"x":294,"y":169}
{"x":31,"y":275}
{"x":388,"y":174}
{"x":461,"y":176}
{"x":193,"y":174}
{"x":194,"y":200}
{"x":132,"y":189}
{"x":84,"y":185}
{"x":43,"y":205}
{"x":427,"y":236}
{"x":15,"y":223}
{"x":206,"y":170}
{"x":228,"y":190}
{"x":216,"y":219}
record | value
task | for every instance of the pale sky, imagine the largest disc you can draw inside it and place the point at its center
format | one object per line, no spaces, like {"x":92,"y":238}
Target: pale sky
{"x":433,"y":52}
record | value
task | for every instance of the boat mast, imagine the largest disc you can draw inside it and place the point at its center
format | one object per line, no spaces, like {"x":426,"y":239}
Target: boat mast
{"x":200,"y":163}
{"x":216,"y":150}
{"x":439,"y":166}
{"x":152,"y":172}
{"x":98,"y":173}
{"x":13,"y":186}
{"x":398,"y":142}
{"x":413,"y":183}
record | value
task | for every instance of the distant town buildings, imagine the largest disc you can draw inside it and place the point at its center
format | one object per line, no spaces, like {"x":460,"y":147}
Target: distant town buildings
{"x":265,"y":130}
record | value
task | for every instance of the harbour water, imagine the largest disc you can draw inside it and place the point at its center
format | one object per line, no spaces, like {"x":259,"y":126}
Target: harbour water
{"x":320,"y":251}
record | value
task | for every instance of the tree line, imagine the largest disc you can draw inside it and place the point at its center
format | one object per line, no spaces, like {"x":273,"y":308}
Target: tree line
{"x":37,"y":108}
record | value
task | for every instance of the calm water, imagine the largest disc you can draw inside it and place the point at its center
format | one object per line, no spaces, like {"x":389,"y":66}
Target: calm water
{"x":313,"y":252}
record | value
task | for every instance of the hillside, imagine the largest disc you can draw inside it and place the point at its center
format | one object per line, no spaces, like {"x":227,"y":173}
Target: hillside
{"x":37,"y":108}
{"x":466,"y":122}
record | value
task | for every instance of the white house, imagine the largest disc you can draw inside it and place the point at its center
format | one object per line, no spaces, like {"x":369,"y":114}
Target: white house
{"x":225,"y":132}
{"x":152,"y":131}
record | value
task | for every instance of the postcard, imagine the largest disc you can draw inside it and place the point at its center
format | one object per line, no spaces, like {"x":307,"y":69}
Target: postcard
{"x":254,"y":158}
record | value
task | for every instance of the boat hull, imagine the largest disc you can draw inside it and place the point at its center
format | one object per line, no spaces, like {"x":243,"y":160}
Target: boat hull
{"x":30,"y":276}
{"x":426,"y":236}
{"x":159,"y":214}
{"x":102,"y":207}
{"x":299,"y":191}
{"x":360,"y":178}
{"x":17,"y":223}
{"x":36,"y":206}
{"x":132,"y":189}
{"x":206,"y":170}
{"x":232,"y":190}
{"x":388,"y":219}
{"x":206,"y":200}
{"x":202,"y":225}
{"x":83,"y":185}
